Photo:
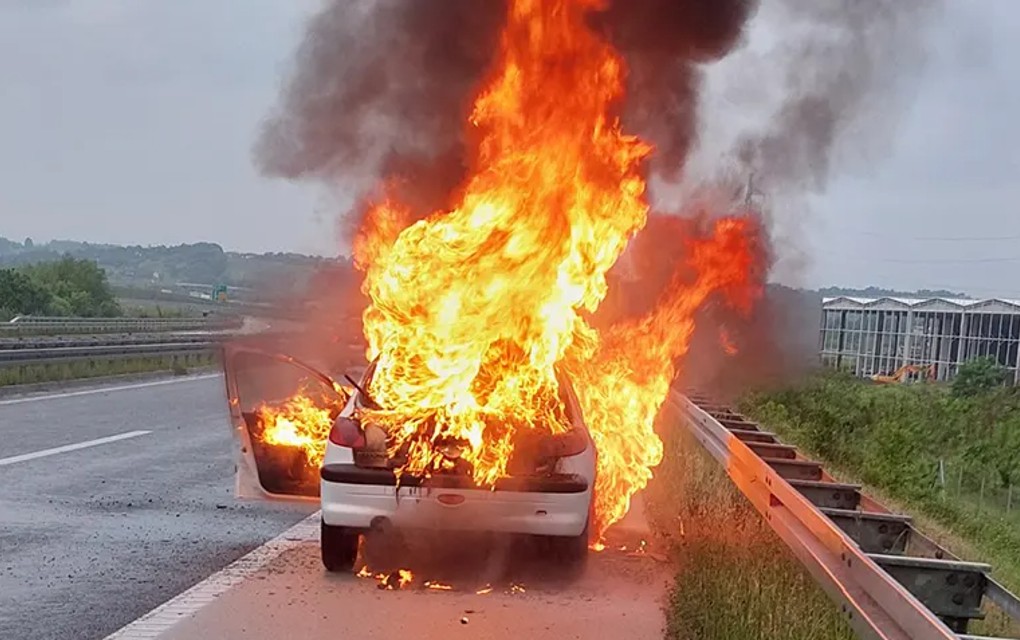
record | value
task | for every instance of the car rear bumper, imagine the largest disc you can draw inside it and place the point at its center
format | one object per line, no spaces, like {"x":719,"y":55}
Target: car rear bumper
{"x":358,"y":498}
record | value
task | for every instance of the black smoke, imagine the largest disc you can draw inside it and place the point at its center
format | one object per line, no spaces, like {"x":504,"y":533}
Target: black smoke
{"x":381,"y":90}
{"x":666,"y":45}
{"x":844,"y":71}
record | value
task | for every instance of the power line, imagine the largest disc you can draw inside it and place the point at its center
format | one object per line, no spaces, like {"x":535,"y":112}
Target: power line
{"x":875,"y":234}
{"x":900,"y":236}
{"x":946,"y":261}
{"x":933,"y":261}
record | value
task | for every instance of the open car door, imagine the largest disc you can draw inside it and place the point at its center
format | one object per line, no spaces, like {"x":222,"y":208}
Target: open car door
{"x":281,"y":411}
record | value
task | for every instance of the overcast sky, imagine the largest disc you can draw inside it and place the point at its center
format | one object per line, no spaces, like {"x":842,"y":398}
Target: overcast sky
{"x":132,"y":122}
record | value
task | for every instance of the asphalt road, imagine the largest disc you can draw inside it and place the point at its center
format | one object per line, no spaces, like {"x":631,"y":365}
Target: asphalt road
{"x":92,"y":538}
{"x":620,"y":595}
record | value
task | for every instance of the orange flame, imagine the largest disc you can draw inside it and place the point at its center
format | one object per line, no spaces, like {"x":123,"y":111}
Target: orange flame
{"x":623,"y":380}
{"x":298,"y":423}
{"x":475,"y":309}
{"x":393,"y":581}
{"x":438,"y":586}
{"x":728,"y":346}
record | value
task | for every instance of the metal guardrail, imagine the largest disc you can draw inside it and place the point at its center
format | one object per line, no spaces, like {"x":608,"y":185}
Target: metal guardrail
{"x":56,"y":355}
{"x":891,"y":581}
{"x":50,"y":342}
{"x":57,"y":325}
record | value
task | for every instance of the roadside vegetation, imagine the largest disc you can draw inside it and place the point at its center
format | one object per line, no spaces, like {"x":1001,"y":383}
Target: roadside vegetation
{"x":735,"y":578}
{"x":38,"y":373}
{"x":65,"y":287}
{"x":947,"y":453}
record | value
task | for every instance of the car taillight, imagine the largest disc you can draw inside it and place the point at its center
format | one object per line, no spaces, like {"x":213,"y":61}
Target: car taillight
{"x":347,"y":433}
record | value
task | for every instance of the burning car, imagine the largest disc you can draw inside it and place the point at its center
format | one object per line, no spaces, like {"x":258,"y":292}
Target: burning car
{"x":494,"y":377}
{"x":303,"y":436}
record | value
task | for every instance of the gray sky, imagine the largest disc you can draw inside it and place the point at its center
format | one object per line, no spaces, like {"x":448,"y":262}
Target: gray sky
{"x":132,"y":122}
{"x":943,"y":209}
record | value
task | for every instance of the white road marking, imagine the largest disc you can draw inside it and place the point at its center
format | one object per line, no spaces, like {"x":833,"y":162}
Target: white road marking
{"x":70,"y":447}
{"x":160,"y":619}
{"x":125,"y":387}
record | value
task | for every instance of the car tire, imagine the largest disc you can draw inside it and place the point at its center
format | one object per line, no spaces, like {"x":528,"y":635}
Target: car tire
{"x":339,"y":548}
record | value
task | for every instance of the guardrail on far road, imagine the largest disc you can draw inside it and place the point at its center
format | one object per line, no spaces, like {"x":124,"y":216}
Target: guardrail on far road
{"x":57,"y":355}
{"x":56,"y":325}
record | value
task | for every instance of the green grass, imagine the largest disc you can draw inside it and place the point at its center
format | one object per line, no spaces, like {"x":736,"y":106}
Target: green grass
{"x":891,"y":439}
{"x":36,"y":373}
{"x":735,"y":578}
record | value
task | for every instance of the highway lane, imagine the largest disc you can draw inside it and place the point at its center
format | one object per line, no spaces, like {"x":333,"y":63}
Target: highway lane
{"x":91,"y":538}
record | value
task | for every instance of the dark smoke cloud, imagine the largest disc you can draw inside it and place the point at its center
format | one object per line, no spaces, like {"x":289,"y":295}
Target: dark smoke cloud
{"x":665,"y":44}
{"x":844,"y":67}
{"x":840,"y":75}
{"x":381,"y":89}
{"x":776,"y":343}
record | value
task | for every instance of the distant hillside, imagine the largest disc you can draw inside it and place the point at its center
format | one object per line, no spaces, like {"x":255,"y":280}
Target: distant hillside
{"x":207,"y":263}
{"x":202,"y":263}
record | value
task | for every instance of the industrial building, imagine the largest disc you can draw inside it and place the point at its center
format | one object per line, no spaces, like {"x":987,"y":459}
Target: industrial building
{"x":883,"y":336}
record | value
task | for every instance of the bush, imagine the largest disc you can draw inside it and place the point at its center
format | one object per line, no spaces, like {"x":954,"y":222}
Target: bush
{"x":67,"y":287}
{"x":19,"y":294}
{"x":894,"y":437}
{"x":979,"y":376}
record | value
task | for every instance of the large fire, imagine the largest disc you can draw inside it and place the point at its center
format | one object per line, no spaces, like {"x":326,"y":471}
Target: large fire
{"x":473,"y":307}
{"x":476,"y":309}
{"x":298,"y":423}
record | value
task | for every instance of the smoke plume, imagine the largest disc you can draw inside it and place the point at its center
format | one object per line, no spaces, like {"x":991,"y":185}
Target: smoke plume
{"x":840,"y":76}
{"x":818,"y":91}
{"x":666,"y":44}
{"x":381,"y":90}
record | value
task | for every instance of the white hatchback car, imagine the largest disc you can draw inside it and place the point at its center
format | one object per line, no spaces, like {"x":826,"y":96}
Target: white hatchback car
{"x":551,"y":495}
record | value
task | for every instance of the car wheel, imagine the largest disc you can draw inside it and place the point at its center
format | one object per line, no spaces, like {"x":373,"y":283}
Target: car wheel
{"x":339,"y":547}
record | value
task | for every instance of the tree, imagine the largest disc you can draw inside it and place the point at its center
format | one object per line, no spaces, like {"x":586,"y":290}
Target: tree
{"x":203,"y":262}
{"x":8,"y":247}
{"x":978,"y":376}
{"x":78,"y":287}
{"x":19,"y":294}
{"x":28,"y":243}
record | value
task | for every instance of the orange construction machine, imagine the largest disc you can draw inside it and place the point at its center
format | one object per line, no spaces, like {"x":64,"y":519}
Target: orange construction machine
{"x":905,"y":373}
